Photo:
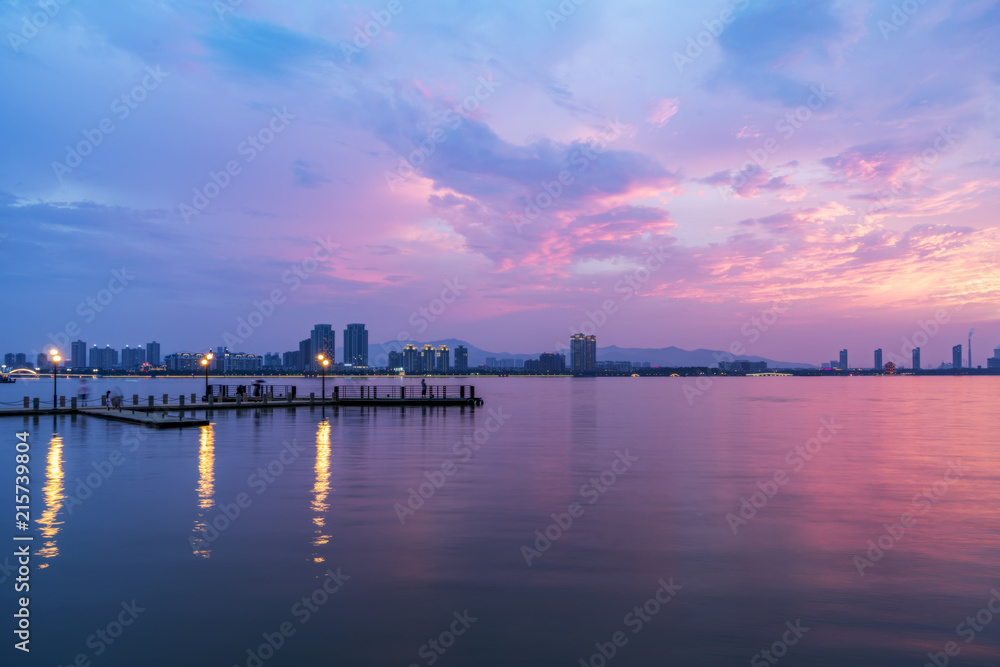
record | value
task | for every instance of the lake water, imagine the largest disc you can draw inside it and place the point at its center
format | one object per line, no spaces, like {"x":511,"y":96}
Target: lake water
{"x":647,"y":480}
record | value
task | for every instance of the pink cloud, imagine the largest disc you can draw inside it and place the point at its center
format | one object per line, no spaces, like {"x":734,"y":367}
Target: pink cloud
{"x":664,"y":110}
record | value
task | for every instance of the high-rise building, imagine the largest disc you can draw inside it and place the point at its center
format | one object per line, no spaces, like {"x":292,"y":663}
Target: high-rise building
{"x":491,"y":362}
{"x":153,"y":353}
{"x":956,"y":357}
{"x":103,"y":359}
{"x":411,"y":360}
{"x":272,"y":360}
{"x":461,"y":359}
{"x":133,"y":357}
{"x":21,"y":360}
{"x":356,"y":345}
{"x":428,"y":356}
{"x":583,"y":353}
{"x":8,"y":360}
{"x":548,"y":363}
{"x":916,"y":359}
{"x":305,"y":355}
{"x":843,"y":360}
{"x":290,"y":360}
{"x":443,"y":360}
{"x":42,"y":360}
{"x":878,"y":359}
{"x":78,"y":354}
{"x":322,"y":341}
{"x":395,"y":360}
{"x":995,"y":361}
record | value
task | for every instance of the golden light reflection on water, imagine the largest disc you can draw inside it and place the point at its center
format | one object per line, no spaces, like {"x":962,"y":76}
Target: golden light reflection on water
{"x":321,"y":489}
{"x":206,"y":489}
{"x":54,"y":498}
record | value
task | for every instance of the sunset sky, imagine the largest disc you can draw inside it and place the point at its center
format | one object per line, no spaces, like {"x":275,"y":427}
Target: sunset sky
{"x":526,"y":159}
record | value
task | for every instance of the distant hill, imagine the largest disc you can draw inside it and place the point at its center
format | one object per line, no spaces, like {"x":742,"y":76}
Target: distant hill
{"x":665,"y":356}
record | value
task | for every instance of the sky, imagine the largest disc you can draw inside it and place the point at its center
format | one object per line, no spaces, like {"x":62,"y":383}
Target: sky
{"x":789,"y":178}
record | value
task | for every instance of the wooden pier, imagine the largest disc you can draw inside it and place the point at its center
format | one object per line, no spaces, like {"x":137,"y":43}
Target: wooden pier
{"x":177,"y":411}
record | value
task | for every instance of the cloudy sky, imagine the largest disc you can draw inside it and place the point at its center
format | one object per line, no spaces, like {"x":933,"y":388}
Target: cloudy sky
{"x":664,"y":171}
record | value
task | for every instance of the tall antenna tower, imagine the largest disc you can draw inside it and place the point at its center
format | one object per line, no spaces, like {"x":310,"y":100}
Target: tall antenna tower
{"x":971,"y":331}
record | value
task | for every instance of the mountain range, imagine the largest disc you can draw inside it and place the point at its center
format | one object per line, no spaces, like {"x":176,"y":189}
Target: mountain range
{"x":671,"y":357}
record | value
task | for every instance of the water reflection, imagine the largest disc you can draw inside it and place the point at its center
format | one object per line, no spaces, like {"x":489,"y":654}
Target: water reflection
{"x":321,"y":488}
{"x":206,"y":489}
{"x":54,"y":498}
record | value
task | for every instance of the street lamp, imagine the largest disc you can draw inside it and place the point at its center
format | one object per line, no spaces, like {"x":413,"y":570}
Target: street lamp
{"x":204,"y":362}
{"x":323,"y":363}
{"x":54,"y":353}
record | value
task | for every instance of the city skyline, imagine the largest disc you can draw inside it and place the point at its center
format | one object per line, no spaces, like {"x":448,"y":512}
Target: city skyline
{"x":681,"y":188}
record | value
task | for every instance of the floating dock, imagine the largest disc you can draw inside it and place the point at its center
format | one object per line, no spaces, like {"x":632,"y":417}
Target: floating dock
{"x":177,"y":411}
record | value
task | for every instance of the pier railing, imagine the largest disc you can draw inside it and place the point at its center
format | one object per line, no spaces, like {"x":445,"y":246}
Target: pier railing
{"x":359,"y":392}
{"x":251,"y":392}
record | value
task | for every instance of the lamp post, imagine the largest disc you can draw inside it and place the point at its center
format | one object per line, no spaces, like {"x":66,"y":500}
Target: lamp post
{"x":204,"y":362}
{"x":323,"y":363}
{"x":54,"y":353}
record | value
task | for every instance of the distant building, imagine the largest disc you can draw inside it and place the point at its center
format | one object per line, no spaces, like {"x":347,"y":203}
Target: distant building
{"x":183,"y":362}
{"x":322,"y":341}
{"x":916,"y":359}
{"x":8,"y":360}
{"x":461,"y":359}
{"x":133,"y":358}
{"x":395,"y":360}
{"x":878,"y":359}
{"x":615,"y":366}
{"x":78,"y":354}
{"x":995,"y":361}
{"x":411,"y":360}
{"x":843,"y":360}
{"x":153,"y":353}
{"x":356,"y":345}
{"x":443,"y":359}
{"x":103,"y":359}
{"x":491,"y":362}
{"x":956,"y":357}
{"x":305,"y":355}
{"x":42,"y":360}
{"x":507,"y":363}
{"x":428,"y":357}
{"x":272,"y":360}
{"x":548,"y":363}
{"x":290,"y":361}
{"x":583,"y":353}
{"x":21,"y":360}
{"x":743,"y":366}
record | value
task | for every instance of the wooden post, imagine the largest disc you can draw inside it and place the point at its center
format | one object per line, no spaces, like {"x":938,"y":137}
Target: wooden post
{"x":402,"y":392}
{"x":312,"y":398}
{"x":472,"y":391}
{"x":150,"y":402}
{"x":461,"y":391}
{"x":104,"y":400}
{"x":135,"y":399}
{"x":239,"y":399}
{"x":62,"y":401}
{"x":181,"y":399}
{"x":194,"y":398}
{"x":211,"y":399}
{"x":336,"y":393}
{"x":165,"y":399}
{"x":264,"y":396}
{"x":35,"y":404}
{"x":26,"y":401}
{"x":72,"y":402}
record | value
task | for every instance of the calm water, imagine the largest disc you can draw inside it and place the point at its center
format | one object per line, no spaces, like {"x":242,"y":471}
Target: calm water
{"x":329,"y":506}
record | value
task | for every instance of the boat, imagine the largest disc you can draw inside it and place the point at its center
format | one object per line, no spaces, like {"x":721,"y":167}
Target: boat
{"x":5,"y":378}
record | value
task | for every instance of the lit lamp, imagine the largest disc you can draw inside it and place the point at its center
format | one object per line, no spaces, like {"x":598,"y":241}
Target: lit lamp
{"x":204,"y":362}
{"x":54,"y":353}
{"x":323,"y":363}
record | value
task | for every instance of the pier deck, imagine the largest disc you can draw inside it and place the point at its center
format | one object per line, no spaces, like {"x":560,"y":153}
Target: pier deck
{"x":176,"y":412}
